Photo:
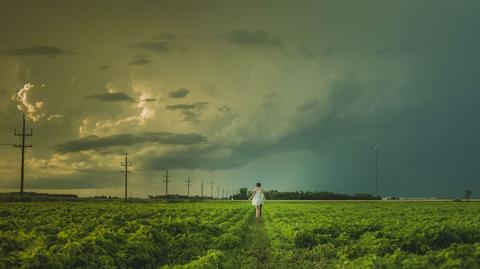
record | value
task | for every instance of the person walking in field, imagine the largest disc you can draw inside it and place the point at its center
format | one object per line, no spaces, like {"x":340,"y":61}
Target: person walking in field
{"x":257,"y":200}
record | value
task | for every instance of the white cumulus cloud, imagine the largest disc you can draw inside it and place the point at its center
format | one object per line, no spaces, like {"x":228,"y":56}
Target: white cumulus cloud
{"x":24,"y":104}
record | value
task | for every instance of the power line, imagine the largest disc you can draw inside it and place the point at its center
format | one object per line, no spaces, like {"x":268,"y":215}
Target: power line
{"x":23,"y":134}
{"x":8,"y":124}
{"x":126,"y":164}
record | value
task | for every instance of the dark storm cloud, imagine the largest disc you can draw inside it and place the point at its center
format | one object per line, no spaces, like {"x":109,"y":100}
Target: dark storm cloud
{"x":193,"y":158}
{"x":111,"y":97}
{"x":208,"y":157}
{"x":172,"y":37}
{"x":96,"y":142}
{"x":190,"y":112}
{"x":193,"y":106}
{"x":254,"y":39}
{"x":80,"y":178}
{"x":103,"y":67}
{"x":308,"y":52}
{"x":76,"y":179}
{"x":149,"y":100}
{"x":382,"y":51}
{"x":180,"y":93}
{"x":160,"y":47}
{"x":224,"y":109}
{"x":39,"y":50}
{"x":140,"y":60}
{"x":397,"y":50}
{"x":339,"y":121}
{"x":218,"y":156}
{"x":167,"y":36}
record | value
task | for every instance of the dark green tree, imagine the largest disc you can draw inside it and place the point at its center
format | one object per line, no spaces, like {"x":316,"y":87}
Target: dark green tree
{"x":468,"y":194}
{"x":243,"y":191}
{"x":241,"y":195}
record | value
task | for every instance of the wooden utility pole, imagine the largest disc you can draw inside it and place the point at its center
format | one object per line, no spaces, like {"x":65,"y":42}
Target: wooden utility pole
{"x":166,"y":176}
{"x":376,"y":171}
{"x":125,"y":165}
{"x":189,"y":183}
{"x":23,"y":134}
{"x":211,"y":189}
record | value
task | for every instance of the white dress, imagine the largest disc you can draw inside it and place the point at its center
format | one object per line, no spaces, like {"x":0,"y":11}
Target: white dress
{"x":258,"y":197}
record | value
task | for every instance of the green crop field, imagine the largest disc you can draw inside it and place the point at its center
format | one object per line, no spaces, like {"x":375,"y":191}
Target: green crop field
{"x":225,"y":235}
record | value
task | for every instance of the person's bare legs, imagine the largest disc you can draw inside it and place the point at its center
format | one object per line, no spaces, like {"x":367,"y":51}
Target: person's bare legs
{"x":258,"y":212}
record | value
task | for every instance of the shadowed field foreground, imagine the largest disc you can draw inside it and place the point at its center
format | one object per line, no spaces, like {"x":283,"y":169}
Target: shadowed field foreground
{"x":225,"y":235}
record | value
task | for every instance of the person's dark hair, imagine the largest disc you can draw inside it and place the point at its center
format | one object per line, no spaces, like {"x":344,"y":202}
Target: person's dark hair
{"x":259,"y":185}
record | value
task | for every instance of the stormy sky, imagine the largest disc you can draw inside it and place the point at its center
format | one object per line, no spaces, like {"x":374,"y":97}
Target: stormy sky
{"x":293,"y":94}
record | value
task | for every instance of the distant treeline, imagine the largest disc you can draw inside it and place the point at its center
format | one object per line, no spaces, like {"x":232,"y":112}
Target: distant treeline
{"x":177,"y":197}
{"x":300,"y":195}
{"x":308,"y":195}
{"x":243,"y":194}
{"x":34,"y":196}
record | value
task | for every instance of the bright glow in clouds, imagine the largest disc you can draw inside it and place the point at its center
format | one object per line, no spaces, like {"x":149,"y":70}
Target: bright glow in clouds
{"x":147,"y":113}
{"x":31,"y":109}
{"x":148,"y":109}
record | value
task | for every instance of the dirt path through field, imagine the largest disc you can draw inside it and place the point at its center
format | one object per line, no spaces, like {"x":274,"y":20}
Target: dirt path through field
{"x":259,"y":244}
{"x":255,"y":252}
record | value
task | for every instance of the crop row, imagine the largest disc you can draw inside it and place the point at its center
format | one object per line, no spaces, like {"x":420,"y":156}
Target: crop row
{"x":116,"y":235}
{"x":382,"y":235}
